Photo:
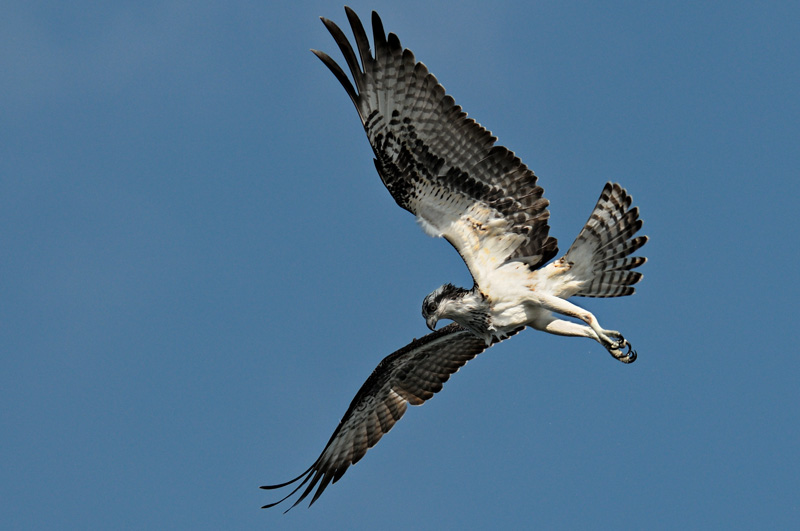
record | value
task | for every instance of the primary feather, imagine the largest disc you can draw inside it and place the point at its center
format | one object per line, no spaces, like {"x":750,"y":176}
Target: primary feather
{"x":446,"y":169}
{"x":410,"y":375}
{"x":437,"y":163}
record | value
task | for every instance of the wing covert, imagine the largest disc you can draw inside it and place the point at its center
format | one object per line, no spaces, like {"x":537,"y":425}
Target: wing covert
{"x":410,"y":375}
{"x":436,"y":162}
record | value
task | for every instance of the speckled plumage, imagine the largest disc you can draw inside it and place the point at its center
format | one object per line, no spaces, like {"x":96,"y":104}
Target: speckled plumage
{"x":446,"y":169}
{"x":437,"y":163}
{"x":410,"y":375}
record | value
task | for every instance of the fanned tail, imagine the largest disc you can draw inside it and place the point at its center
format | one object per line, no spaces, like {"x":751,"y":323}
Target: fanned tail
{"x":600,"y":256}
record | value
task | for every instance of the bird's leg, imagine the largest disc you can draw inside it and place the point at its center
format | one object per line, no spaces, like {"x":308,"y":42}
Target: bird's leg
{"x":560,"y":306}
{"x":568,"y":328}
{"x":604,"y":337}
{"x":560,"y":327}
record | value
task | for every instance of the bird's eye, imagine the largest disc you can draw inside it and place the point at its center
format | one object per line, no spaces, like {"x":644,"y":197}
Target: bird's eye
{"x":430,"y":307}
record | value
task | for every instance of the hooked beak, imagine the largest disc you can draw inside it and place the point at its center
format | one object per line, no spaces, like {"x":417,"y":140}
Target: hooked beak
{"x":431,"y":322}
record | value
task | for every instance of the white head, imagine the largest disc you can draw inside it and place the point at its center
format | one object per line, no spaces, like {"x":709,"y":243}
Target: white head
{"x":442,"y":303}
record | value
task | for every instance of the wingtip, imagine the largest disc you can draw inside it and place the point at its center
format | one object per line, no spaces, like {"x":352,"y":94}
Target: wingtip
{"x":377,"y":26}
{"x":273,"y":487}
{"x":270,"y":505}
{"x":328,"y":23}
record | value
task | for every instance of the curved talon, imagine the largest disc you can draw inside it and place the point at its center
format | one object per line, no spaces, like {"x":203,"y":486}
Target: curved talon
{"x":627,"y":357}
{"x":622,"y":343}
{"x":630,"y":356}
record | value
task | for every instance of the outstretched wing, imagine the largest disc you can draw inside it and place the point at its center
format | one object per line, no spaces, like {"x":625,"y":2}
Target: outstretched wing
{"x":438,"y":164}
{"x":411,"y":375}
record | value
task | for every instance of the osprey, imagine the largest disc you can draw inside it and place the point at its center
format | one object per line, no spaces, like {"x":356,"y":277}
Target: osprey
{"x":411,"y":375}
{"x":445,"y":168}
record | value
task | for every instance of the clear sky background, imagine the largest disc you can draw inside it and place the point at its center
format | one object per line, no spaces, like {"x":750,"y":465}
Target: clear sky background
{"x":200,"y":267}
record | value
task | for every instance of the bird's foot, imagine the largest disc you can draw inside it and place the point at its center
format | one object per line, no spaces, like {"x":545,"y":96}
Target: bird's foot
{"x":615,"y":349}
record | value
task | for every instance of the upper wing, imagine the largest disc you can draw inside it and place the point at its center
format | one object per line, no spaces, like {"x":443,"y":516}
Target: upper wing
{"x":411,"y":375}
{"x":437,"y":163}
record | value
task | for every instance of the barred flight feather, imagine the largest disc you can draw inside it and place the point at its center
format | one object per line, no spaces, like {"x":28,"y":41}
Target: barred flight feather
{"x":607,"y":241}
{"x":411,"y":375}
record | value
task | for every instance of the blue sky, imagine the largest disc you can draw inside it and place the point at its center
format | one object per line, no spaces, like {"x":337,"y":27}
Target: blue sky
{"x":200,"y":267}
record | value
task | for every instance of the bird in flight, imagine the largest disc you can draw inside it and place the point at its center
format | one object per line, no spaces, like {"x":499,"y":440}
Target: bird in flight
{"x":446,"y":169}
{"x":411,"y":375}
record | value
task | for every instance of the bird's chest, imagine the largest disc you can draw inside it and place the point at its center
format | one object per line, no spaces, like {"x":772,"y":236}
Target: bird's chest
{"x":507,"y":313}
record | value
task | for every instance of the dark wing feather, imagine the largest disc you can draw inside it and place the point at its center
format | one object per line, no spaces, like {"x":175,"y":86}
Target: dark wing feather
{"x":435,"y":161}
{"x":411,"y":375}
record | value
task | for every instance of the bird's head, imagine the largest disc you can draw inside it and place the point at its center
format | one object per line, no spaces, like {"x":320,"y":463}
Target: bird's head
{"x":437,"y":304}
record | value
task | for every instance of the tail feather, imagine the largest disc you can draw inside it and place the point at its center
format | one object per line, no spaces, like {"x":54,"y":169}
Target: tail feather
{"x":627,"y":248}
{"x":611,"y":290}
{"x":600,"y":256}
{"x":624,"y":264}
{"x":625,"y":227}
